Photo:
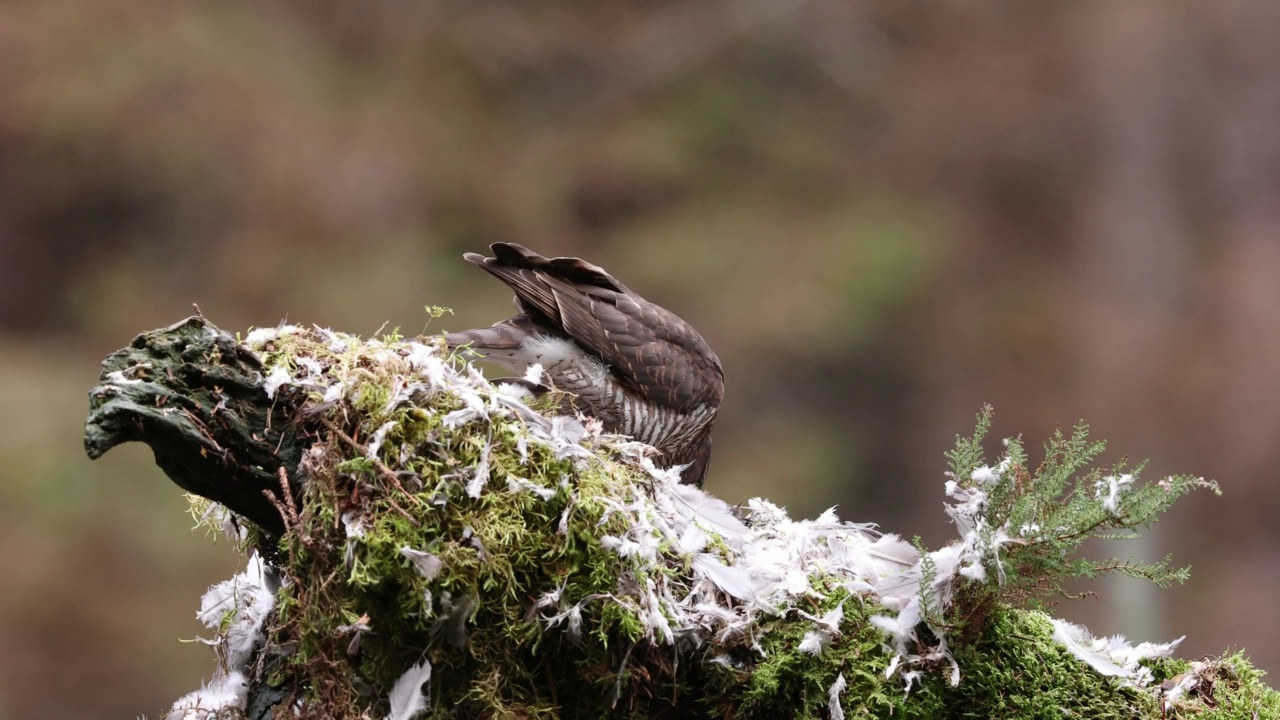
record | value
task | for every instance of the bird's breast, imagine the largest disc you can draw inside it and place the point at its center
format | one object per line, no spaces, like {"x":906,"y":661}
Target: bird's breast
{"x":600,"y":394}
{"x":670,"y":431}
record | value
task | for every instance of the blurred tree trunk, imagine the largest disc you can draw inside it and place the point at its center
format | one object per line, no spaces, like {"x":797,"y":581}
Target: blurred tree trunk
{"x":1132,"y":261}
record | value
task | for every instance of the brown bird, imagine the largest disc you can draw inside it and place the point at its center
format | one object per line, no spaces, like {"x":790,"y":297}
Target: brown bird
{"x":633,"y":365}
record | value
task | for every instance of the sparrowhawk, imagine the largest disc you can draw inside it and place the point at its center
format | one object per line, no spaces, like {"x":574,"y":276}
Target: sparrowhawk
{"x":633,"y":365}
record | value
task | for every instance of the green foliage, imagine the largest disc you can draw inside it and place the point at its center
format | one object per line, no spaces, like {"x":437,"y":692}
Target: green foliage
{"x":1049,"y":510}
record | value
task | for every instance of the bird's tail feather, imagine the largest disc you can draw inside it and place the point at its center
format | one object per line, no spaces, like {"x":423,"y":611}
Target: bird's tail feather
{"x":490,"y":338}
{"x":506,"y":335}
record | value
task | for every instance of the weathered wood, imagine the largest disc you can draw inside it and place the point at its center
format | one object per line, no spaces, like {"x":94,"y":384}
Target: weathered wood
{"x":195,"y":396}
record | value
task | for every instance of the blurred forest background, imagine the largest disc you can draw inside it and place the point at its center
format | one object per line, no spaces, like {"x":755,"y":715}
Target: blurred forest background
{"x":881,"y":213}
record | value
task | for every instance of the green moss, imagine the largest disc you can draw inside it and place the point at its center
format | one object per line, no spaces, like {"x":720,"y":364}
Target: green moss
{"x":1016,"y":670}
{"x":496,"y":551}
{"x":1230,"y":688}
{"x":780,"y":680}
{"x":357,"y":612}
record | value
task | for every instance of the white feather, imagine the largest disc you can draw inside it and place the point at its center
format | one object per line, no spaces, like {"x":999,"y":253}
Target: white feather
{"x":833,"y":697}
{"x":273,"y":381}
{"x":407,"y":698}
{"x":533,"y":374}
{"x":481,"y":475}
{"x":814,"y":642}
{"x":223,"y":692}
{"x":379,"y":436}
{"x":732,"y":580}
{"x":427,"y":564}
{"x":238,"y":607}
{"x":1079,"y":642}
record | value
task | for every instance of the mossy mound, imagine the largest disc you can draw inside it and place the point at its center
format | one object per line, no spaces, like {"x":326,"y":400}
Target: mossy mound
{"x":442,"y":521}
{"x":453,"y":548}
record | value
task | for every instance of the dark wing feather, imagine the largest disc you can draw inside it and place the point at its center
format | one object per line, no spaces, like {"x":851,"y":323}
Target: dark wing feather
{"x":650,"y":349}
{"x":570,"y":269}
{"x":529,"y":287}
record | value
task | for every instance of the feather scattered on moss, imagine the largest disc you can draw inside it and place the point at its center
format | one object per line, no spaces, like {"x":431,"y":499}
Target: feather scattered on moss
{"x":540,"y":567}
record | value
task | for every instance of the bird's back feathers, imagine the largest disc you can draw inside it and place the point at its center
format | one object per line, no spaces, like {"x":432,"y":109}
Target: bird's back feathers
{"x":667,"y":383}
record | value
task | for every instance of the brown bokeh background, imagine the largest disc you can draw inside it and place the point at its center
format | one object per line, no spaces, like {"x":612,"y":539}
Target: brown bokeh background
{"x":882,"y":214}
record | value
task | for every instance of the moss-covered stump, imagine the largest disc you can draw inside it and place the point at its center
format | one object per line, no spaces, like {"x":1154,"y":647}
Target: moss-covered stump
{"x":444,"y":547}
{"x":194,"y":394}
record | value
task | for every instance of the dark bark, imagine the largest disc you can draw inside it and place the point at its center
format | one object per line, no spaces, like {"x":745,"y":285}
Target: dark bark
{"x":195,"y":396}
